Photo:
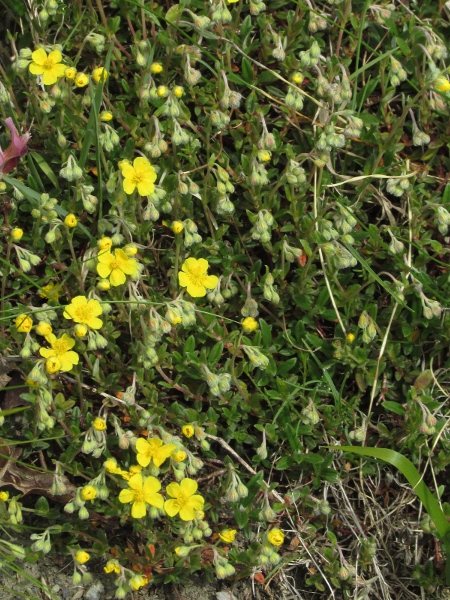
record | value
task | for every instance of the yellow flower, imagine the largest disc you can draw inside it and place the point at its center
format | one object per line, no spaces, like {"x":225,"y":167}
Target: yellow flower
{"x":99,"y":74}
{"x":106,"y":116}
{"x":116,"y":266}
{"x":61,"y":349}
{"x":70,"y":73}
{"x":162,"y":91}
{"x":52,"y":365}
{"x":228,"y":535}
{"x":138,"y":581}
{"x":179,"y":456}
{"x":17,"y":234}
{"x":142,"y":491}
{"x":185,"y":502}
{"x":140,"y":175}
{"x":50,"y":291}
{"x":99,"y":424}
{"x":50,"y":67}
{"x":84,"y":311}
{"x":188,"y":430}
{"x":23,"y":323}
{"x":111,"y":465}
{"x":249,"y":324}
{"x":177,"y":226}
{"x":178,"y":91}
{"x":232,"y":1}
{"x":43,"y":328}
{"x":297,"y":78}
{"x":80,"y":330}
{"x":275,"y":537}
{"x":112,"y":566}
{"x":82,"y":557}
{"x":350,"y":337}
{"x":105,"y":243}
{"x":89,"y":492}
{"x":193,"y":275}
{"x":4,"y":496}
{"x":264,"y":155}
{"x":70,"y":220}
{"x":442,"y":84}
{"x":134,"y":469}
{"x":156,"y":68}
{"x":81,"y":80}
{"x":153,"y":450}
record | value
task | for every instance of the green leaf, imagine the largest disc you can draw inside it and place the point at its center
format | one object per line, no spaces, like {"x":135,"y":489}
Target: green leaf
{"x":266,"y":333}
{"x":189,"y":345}
{"x":394,"y":407}
{"x":215,"y":353}
{"x":247,"y":71}
{"x":45,"y":167}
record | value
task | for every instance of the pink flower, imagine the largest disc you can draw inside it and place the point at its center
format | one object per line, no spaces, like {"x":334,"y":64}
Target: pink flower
{"x":17,"y":148}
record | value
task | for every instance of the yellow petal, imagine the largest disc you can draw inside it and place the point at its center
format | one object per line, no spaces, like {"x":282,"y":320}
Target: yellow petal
{"x":67,"y":314}
{"x":129,"y":186}
{"x":135,"y":482}
{"x":196,"y":290}
{"x":59,"y":70}
{"x":163,"y":454}
{"x":183,"y":279}
{"x":187,"y":512}
{"x":35,"y":69}
{"x":188,"y":486}
{"x":49,"y":77}
{"x":126,"y":496}
{"x":95,"y":323}
{"x":202,"y":266}
{"x":68,"y":360}
{"x":105,"y":257}
{"x":104,"y":270}
{"x":96,"y":307}
{"x":210,"y":281}
{"x":127,"y":170}
{"x":154,"y":499}
{"x":142,"y":446}
{"x":173,"y":489}
{"x":129,"y":267}
{"x":39,"y":56}
{"x":141,"y":164}
{"x":143,"y":459}
{"x":46,"y":352}
{"x":171,"y":507}
{"x":117,"y":277}
{"x":138,"y":510}
{"x":145,"y":187}
{"x":55,"y":56}
{"x":151,"y":485}
{"x":189,"y":265}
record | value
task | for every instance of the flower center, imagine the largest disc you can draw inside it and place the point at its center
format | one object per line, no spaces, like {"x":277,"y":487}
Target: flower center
{"x":196,"y":276}
{"x":60,"y":347}
{"x":48,"y":64}
{"x":84,"y":313}
{"x":139,"y":496}
{"x":115,"y":264}
{"x":138,"y":177}
{"x":182,"y":499}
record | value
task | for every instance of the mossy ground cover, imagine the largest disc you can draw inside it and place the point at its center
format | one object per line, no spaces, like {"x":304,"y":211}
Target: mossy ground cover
{"x":223,"y":251}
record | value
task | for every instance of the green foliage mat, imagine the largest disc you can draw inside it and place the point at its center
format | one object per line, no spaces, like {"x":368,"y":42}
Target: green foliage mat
{"x":224,"y":250}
